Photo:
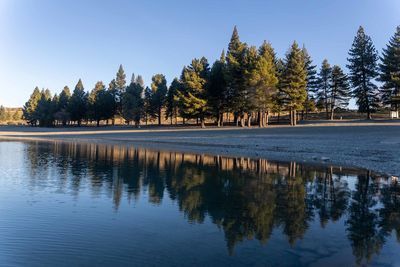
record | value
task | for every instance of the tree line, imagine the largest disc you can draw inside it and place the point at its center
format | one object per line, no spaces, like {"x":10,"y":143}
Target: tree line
{"x":249,"y":82}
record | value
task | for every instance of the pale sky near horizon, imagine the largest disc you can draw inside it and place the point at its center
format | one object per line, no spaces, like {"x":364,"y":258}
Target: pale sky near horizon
{"x":51,"y":44}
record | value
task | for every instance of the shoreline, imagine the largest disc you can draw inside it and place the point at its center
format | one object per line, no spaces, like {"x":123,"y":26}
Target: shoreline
{"x":372,"y":146}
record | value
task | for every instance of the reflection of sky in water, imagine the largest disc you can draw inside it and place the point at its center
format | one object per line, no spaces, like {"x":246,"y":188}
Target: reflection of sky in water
{"x":88,"y":204}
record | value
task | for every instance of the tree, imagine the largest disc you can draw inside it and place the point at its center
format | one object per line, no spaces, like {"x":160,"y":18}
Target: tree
{"x":100,"y":103}
{"x":148,"y":105}
{"x":294,"y":81}
{"x":390,"y":68}
{"x":339,"y":90}
{"x":159,"y":91}
{"x":363,"y":71}
{"x":265,"y":80}
{"x":132,"y":101}
{"x":193,"y":98}
{"x":325,"y":75}
{"x":312,"y":82}
{"x":78,"y":104}
{"x":217,"y":89}
{"x":112,"y":89}
{"x":120,"y":83}
{"x":172,"y":100}
{"x":235,"y":63}
{"x":62,"y":113}
{"x":29,"y":109}
{"x":3,"y":113}
{"x":45,"y":109}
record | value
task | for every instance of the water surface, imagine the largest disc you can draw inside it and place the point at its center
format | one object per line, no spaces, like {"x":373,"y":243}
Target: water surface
{"x":67,"y":204}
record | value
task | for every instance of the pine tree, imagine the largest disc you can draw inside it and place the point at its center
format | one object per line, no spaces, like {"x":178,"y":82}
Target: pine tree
{"x":62,"y":113}
{"x":279,"y":98}
{"x":132,"y":101}
{"x":99,"y":105}
{"x":193,"y":97}
{"x":339,"y":90}
{"x":390,"y":68}
{"x":312,"y":82}
{"x":363,"y":71}
{"x":112,"y":89}
{"x":294,"y":81}
{"x":217,"y":89}
{"x":159,"y":92}
{"x":172,"y":100}
{"x":44,"y":109}
{"x":264,"y":80}
{"x":3,"y":113}
{"x":78,"y":103}
{"x":237,"y":90}
{"x":148,"y":105}
{"x":325,"y":75}
{"x":119,"y":89}
{"x":29,"y":109}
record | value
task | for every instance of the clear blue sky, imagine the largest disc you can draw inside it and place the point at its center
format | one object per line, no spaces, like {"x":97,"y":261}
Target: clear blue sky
{"x":50,"y":43}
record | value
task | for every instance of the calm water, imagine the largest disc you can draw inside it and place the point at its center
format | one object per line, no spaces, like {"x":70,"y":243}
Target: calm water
{"x":78,"y":205}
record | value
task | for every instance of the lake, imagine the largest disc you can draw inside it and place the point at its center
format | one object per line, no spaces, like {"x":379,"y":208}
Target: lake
{"x":69,"y":204}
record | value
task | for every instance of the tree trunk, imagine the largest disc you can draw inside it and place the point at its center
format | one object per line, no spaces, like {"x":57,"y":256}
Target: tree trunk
{"x":294,"y":118}
{"x":113,"y":121}
{"x":260,"y":119}
{"x":249,"y":117}
{"x":203,"y":125}
{"x":98,"y":123}
{"x":266,"y":121}
{"x":242,"y":124}
{"x":332,"y":111}
{"x":159,"y":117}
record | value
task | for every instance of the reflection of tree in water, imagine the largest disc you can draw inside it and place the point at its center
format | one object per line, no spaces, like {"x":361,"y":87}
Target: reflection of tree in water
{"x":330,"y":196}
{"x":363,"y":221}
{"x":245,"y":198}
{"x":390,"y":212}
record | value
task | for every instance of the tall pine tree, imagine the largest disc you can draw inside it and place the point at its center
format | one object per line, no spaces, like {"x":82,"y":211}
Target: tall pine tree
{"x":217,"y":89}
{"x":390,"y":68}
{"x":193,"y":97}
{"x":132,"y":101}
{"x":158,"y":95}
{"x":172,"y":100}
{"x":363,"y":71}
{"x":312,"y":82}
{"x":237,"y":89}
{"x":29,"y":109}
{"x":339,"y":90}
{"x":294,"y":82}
{"x":325,"y":75}
{"x":78,"y":103}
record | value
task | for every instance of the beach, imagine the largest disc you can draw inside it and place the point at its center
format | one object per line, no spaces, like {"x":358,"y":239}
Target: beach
{"x":371,"y":145}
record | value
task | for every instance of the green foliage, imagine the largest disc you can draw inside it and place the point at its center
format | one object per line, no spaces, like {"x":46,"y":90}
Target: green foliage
{"x":3,"y":113}
{"x":339,"y":90}
{"x":193,"y":97}
{"x":263,"y":78}
{"x":78,"y":103}
{"x":100,"y":103}
{"x":312,"y":81}
{"x":132,"y":101}
{"x":172,"y":102}
{"x":45,"y":109}
{"x":363,"y":71}
{"x":325,"y":75}
{"x":294,"y":81}
{"x":29,"y":109}
{"x":236,"y":66}
{"x":158,"y":96}
{"x":390,"y":68}
{"x":217,"y":89}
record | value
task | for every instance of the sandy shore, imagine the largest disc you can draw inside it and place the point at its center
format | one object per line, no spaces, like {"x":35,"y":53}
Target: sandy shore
{"x":371,"y":145}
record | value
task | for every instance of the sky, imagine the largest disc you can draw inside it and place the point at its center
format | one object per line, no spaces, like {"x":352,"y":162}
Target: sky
{"x":51,"y":44}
